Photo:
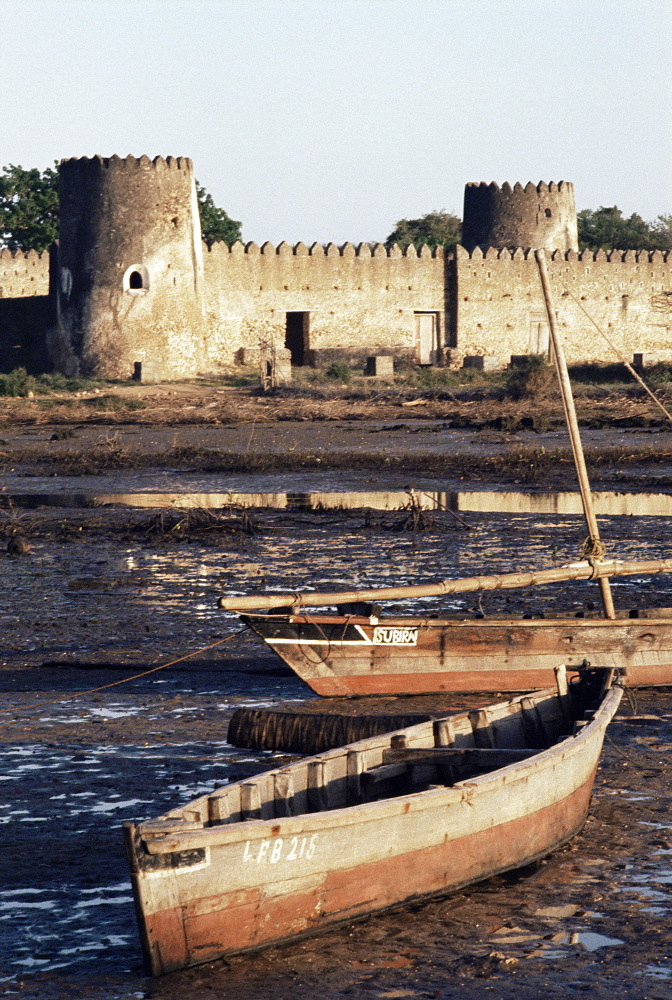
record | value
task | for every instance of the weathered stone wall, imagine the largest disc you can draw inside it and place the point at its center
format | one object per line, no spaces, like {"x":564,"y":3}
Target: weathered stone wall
{"x":498,"y":306}
{"x":23,"y":274}
{"x":130,"y":266}
{"x":25,"y":309}
{"x":359,"y":300}
{"x":542,"y":215}
{"x":24,"y":322}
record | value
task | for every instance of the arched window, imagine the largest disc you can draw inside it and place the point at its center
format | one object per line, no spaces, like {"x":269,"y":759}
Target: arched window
{"x":136,"y":279}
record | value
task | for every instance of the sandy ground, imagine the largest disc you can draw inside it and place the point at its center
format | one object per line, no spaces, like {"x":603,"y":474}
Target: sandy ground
{"x":83,"y":609}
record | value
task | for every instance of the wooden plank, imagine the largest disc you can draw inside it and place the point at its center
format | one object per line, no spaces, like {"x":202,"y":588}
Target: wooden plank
{"x":480,"y":723}
{"x":356,"y":765}
{"x":444,"y":733}
{"x":472,"y":757}
{"x":218,"y":807}
{"x":283,"y":792}
{"x":318,"y":797}
{"x":250,"y":800}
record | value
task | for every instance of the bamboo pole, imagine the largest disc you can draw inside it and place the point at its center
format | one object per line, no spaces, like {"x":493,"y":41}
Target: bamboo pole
{"x":574,"y":435}
{"x":504,"y":581}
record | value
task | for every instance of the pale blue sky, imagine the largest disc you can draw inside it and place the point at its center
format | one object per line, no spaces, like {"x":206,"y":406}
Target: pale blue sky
{"x":331,"y":119}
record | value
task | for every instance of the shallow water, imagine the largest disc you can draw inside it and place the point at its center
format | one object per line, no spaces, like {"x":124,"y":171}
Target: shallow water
{"x":605,"y":503}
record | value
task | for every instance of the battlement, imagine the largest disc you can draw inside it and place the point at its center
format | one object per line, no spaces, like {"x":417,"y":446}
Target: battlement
{"x":128,"y":162}
{"x":11,"y":257}
{"x":23,"y":273}
{"x":323,"y":250}
{"x":600,"y":256}
{"x":541,"y":188}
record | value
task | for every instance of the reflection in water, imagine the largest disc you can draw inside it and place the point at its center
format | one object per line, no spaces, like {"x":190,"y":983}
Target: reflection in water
{"x":138,"y":596}
{"x":605,"y":504}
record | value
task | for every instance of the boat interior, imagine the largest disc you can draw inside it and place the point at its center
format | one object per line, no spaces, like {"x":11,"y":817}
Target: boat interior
{"x":442,"y":752}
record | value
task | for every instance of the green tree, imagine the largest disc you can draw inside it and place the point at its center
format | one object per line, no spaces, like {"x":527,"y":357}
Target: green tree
{"x":216,"y":226}
{"x":662,"y":231}
{"x":437,"y":228}
{"x":28,"y":208}
{"x":607,"y":229}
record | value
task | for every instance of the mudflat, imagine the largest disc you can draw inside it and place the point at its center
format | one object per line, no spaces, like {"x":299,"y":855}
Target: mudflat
{"x":105,"y":591}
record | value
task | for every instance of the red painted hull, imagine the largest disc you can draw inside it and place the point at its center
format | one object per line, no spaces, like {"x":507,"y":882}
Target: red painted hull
{"x":342,"y":656}
{"x":254,"y":864}
{"x":194,"y":933}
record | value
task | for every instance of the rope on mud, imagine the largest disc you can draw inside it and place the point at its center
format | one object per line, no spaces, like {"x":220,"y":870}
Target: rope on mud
{"x":126,"y":680}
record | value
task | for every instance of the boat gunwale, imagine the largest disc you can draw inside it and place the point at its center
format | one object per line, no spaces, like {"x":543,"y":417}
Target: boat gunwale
{"x":350,"y":815}
{"x":421,"y":621}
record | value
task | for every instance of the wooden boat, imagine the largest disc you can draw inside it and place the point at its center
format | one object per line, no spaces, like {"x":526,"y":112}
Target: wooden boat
{"x":368,"y":826}
{"x":348,"y":655}
{"x":354,"y":651}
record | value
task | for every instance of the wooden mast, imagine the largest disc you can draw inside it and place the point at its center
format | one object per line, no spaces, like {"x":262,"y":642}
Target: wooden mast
{"x":596,"y":545}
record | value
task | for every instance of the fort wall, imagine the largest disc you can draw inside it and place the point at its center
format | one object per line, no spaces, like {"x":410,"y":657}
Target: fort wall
{"x":498,"y":307}
{"x":132,"y":282}
{"x":356,"y":300}
{"x":23,"y":274}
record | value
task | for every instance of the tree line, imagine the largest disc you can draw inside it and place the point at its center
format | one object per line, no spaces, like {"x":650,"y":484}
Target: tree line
{"x":29,"y":220}
{"x":599,"y":229}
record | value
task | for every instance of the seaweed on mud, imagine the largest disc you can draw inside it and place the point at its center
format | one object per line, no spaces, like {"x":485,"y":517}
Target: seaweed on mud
{"x":183,"y":524}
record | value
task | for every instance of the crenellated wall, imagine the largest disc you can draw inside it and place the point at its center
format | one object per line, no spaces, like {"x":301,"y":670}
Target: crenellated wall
{"x":498,"y":308}
{"x":358,"y":300}
{"x":23,"y":274}
{"x":132,"y":282}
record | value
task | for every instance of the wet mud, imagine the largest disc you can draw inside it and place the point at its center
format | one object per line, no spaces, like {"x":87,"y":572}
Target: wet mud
{"x":96,"y":599}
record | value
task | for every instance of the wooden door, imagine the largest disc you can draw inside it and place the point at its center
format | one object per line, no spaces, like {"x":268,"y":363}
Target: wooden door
{"x":426,"y":338}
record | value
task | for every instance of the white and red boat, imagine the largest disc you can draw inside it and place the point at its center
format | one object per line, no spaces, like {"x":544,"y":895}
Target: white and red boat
{"x":368,"y":826}
{"x":350,"y":654}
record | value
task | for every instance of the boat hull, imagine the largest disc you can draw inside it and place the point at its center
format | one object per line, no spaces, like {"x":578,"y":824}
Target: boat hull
{"x":346,"y":656}
{"x":204,"y":893}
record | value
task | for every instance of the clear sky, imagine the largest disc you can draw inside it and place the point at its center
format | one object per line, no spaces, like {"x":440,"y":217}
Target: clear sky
{"x":332,"y":119}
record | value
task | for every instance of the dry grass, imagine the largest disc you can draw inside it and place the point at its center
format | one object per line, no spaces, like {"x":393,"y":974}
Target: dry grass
{"x":525,"y":464}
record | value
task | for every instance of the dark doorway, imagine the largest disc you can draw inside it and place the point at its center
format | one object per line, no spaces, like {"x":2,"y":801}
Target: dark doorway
{"x":296,"y":330}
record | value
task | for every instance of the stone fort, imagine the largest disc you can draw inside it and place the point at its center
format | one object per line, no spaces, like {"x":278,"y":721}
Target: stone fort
{"x":131,"y":283}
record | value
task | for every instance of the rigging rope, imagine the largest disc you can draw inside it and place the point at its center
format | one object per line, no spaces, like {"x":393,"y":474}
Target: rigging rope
{"x":620,"y":357}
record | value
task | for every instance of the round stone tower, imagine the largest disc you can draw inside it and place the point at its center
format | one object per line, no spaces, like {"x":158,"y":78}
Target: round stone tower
{"x":130,"y":268}
{"x":541,"y":216}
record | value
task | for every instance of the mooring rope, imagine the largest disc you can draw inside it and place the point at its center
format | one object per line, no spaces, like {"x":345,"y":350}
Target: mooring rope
{"x":126,"y":680}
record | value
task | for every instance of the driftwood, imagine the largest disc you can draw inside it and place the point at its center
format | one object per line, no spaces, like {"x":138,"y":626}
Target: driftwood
{"x":504,"y":581}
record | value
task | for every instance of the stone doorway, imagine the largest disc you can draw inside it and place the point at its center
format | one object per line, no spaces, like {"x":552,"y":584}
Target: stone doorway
{"x":296,"y":336}
{"x":426,"y":338}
